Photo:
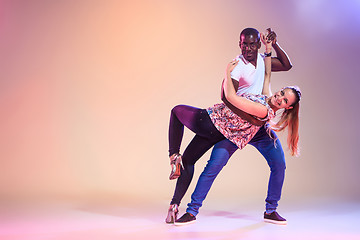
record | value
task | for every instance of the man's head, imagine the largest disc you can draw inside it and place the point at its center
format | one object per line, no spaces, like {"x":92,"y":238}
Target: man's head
{"x":250,"y":44}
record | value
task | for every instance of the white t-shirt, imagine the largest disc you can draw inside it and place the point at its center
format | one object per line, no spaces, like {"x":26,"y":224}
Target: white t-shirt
{"x":251,"y":79}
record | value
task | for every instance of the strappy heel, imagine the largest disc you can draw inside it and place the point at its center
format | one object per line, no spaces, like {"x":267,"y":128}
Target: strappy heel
{"x":172,"y":213}
{"x":176,"y":164}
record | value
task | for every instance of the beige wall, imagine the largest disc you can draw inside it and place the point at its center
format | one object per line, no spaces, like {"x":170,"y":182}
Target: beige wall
{"x":86,"y":88}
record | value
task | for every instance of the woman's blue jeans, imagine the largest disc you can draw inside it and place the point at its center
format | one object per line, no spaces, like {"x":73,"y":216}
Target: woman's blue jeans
{"x":222,"y":151}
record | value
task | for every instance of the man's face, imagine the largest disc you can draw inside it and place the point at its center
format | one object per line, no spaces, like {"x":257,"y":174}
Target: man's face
{"x":249,"y":46}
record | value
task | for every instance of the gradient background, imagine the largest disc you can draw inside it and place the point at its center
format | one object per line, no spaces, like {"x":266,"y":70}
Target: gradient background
{"x":86,"y":88}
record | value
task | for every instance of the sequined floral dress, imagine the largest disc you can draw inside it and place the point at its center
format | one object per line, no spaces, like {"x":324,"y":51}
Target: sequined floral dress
{"x":233,"y":127}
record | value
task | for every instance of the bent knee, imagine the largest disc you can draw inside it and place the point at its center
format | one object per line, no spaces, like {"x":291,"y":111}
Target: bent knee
{"x":213,"y":171}
{"x":176,"y":108}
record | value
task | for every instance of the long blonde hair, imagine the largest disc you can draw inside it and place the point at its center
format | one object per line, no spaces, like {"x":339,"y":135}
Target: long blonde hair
{"x":290,"y":117}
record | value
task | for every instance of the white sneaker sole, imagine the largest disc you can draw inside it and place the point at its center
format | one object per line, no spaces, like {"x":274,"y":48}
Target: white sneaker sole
{"x":275,"y":222}
{"x":183,"y":223}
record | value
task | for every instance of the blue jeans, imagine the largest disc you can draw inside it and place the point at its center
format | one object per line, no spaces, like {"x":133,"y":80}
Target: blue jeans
{"x":222,"y":151}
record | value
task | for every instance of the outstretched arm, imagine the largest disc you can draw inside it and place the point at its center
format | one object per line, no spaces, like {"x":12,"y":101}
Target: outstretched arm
{"x":237,"y":111}
{"x":267,"y":42}
{"x":282,"y":61}
{"x":239,"y":102}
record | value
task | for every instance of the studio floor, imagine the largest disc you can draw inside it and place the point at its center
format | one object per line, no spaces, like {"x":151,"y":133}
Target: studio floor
{"x":137,"y":221}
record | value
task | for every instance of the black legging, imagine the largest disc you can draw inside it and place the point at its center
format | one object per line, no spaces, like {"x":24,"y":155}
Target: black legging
{"x":198,"y":121}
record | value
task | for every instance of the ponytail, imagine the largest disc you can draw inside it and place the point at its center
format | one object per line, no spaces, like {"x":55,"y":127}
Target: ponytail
{"x":290,"y":118}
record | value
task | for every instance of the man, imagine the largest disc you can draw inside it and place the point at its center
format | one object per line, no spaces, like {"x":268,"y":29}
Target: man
{"x":248,"y":77}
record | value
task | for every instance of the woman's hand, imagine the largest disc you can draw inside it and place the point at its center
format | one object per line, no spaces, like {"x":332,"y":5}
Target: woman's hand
{"x":231,"y":66}
{"x":271,"y":36}
{"x":266,"y":40}
{"x":229,"y":89}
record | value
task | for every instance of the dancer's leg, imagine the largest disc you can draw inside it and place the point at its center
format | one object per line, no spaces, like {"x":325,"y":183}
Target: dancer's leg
{"x":196,"y":148}
{"x":195,"y":119}
{"x":274,"y":155}
{"x":198,"y":121}
{"x":220,"y":155}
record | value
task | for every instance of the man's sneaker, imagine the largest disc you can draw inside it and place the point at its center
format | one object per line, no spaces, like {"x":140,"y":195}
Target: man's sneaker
{"x":187,"y":218}
{"x":274,"y":217}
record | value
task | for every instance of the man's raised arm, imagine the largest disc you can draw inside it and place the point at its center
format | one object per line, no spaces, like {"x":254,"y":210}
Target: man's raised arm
{"x":282,"y":61}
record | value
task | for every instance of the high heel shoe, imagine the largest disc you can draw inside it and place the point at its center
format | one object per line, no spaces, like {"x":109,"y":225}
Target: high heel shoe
{"x":172,"y":213}
{"x":176,"y":164}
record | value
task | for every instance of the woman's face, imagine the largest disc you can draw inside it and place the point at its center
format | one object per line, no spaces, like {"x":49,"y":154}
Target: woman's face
{"x":283,"y":98}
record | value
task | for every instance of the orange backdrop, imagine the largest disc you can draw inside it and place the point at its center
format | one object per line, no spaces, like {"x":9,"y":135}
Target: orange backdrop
{"x":86,"y":89}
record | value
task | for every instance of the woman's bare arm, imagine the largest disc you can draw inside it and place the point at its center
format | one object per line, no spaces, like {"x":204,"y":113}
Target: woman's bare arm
{"x":266,"y":87}
{"x":239,"y":102}
{"x":240,"y":113}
